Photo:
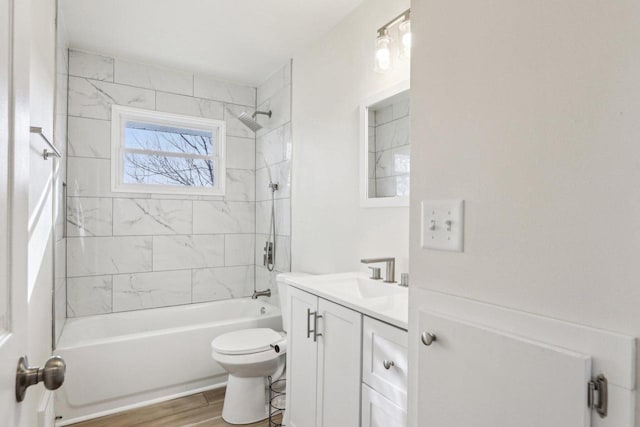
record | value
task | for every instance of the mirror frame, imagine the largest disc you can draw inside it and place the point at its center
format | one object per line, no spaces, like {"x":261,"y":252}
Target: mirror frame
{"x":365,"y":200}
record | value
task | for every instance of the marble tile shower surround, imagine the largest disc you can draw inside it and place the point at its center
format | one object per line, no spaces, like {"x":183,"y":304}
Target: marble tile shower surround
{"x":389,"y":150}
{"x":130,"y":251}
{"x":273,"y":161}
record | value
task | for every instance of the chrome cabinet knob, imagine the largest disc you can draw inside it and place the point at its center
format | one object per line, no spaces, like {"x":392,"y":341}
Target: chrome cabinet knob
{"x":52,"y":375}
{"x":427,"y":338}
{"x":388,"y":364}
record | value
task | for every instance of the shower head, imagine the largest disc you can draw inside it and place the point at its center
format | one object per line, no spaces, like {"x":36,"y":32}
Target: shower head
{"x":250,"y":120}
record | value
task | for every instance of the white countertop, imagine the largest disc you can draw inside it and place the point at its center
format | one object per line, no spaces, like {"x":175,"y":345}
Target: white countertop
{"x":387,"y":302}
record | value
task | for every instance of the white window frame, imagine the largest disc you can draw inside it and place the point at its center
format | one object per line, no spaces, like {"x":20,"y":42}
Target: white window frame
{"x":120,"y":115}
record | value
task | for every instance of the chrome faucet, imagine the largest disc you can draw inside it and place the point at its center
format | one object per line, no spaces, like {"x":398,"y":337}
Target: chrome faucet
{"x":265,"y":293}
{"x":391,"y":267}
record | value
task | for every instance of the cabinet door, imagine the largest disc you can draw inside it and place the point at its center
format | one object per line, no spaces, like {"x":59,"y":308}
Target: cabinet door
{"x":377,"y":411}
{"x":339,"y":372}
{"x":302,"y":361}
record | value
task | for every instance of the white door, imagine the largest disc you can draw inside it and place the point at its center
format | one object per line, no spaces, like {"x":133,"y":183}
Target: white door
{"x":302,"y":360}
{"x":14,"y":169}
{"x":472,"y":375}
{"x":339,"y":365}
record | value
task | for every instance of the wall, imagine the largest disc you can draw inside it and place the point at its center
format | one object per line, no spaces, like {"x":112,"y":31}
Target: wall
{"x":135,"y":251}
{"x":273,"y":161}
{"x":331,"y":77}
{"x":528,"y":111}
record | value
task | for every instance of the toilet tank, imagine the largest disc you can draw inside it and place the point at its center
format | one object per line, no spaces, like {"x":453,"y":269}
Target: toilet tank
{"x":283,"y":293}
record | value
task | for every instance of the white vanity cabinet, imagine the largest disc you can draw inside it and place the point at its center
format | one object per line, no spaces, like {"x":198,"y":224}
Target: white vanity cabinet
{"x":384,"y":374}
{"x":323,"y":362}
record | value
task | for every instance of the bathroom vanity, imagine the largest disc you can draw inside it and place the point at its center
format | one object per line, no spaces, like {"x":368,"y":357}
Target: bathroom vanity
{"x":347,"y":352}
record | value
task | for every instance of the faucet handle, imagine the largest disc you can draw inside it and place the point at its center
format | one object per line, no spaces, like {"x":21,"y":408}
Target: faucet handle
{"x":375,"y":273}
{"x":404,"y":280}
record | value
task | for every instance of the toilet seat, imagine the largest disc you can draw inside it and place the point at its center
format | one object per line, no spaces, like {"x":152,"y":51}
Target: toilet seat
{"x":246,"y":341}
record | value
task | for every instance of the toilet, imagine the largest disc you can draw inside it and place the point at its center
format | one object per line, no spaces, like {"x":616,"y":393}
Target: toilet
{"x":249,"y":356}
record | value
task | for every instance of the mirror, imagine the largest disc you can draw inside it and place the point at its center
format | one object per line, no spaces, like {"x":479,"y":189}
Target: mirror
{"x":385,"y":148}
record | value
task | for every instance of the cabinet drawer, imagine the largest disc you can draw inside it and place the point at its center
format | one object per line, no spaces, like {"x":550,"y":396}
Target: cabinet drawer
{"x":385,"y":360}
{"x":378,"y":411}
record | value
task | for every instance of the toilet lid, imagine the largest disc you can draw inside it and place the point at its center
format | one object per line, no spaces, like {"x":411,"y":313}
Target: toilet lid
{"x":246,"y":341}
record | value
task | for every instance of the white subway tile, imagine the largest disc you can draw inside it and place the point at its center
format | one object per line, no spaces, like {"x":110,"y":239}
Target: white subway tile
{"x":239,"y":249}
{"x":240,"y":185}
{"x":89,"y":216}
{"x":241,"y":153}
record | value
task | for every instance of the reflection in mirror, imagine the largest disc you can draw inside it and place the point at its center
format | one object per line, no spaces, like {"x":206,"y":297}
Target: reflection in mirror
{"x":389,"y":148}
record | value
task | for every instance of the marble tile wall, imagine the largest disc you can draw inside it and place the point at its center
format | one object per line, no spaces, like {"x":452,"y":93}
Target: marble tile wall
{"x":273,"y":161}
{"x":389,"y":155}
{"x":130,"y":251}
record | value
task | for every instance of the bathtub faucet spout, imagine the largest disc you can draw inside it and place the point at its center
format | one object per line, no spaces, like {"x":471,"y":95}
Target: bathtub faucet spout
{"x":265,"y":293}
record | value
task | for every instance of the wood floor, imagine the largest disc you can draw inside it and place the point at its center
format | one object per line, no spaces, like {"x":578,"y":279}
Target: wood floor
{"x":201,"y":409}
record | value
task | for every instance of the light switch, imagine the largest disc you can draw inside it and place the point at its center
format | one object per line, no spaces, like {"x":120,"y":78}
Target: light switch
{"x":443,"y":225}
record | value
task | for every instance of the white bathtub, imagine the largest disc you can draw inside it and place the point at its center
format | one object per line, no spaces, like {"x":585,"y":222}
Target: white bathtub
{"x":125,"y":360}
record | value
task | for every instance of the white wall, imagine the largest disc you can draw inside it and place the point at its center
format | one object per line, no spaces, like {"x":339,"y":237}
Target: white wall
{"x":330,"y":231}
{"x":529,"y":111}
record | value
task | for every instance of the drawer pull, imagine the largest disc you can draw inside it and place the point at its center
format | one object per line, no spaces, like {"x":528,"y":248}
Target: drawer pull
{"x":427,"y":338}
{"x":388,"y":364}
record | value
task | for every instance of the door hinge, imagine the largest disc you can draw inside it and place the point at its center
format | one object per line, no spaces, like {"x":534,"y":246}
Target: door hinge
{"x":598,"y":395}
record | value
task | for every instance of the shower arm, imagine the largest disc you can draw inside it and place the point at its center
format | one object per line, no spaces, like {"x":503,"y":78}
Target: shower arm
{"x":264,"y":113}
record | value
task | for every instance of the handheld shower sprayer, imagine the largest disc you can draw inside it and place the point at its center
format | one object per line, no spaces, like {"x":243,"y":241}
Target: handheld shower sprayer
{"x":269,"y":258}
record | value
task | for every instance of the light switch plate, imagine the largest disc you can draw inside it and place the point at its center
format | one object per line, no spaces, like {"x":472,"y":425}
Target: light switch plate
{"x":443,"y":225}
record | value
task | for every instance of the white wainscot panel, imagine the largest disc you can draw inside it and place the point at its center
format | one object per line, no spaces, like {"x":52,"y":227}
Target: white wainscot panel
{"x":93,"y":256}
{"x":223,"y":217}
{"x":211,"y":284}
{"x":151,"y":217}
{"x":194,"y":251}
{"x":149,"y":290}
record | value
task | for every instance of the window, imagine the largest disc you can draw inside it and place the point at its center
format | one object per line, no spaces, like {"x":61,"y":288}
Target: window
{"x":155,"y":152}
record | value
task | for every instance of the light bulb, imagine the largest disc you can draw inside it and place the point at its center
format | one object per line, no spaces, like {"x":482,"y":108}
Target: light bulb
{"x":405,"y":38}
{"x":383,"y":54}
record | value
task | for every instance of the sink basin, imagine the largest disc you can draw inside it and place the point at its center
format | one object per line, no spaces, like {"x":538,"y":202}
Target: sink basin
{"x":363,"y":288}
{"x":384,"y":301}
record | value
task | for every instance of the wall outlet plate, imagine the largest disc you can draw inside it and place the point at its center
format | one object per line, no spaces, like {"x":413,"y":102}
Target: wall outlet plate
{"x":443,"y":225}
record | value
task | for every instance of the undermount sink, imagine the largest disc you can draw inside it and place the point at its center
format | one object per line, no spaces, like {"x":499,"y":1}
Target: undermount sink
{"x":364,"y":288}
{"x":384,"y":301}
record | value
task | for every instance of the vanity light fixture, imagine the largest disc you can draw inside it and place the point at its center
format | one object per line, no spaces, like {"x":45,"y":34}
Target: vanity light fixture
{"x":383,"y":41}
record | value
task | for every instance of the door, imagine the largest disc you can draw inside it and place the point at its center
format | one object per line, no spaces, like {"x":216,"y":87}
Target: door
{"x":498,"y":379}
{"x":14,"y":186}
{"x":301,"y":360}
{"x":339,"y":367}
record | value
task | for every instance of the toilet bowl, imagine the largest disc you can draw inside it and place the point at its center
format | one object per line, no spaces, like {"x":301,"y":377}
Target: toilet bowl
{"x":250,"y":356}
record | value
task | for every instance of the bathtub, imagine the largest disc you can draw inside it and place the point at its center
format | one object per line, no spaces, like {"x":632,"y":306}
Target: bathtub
{"x":125,"y":360}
